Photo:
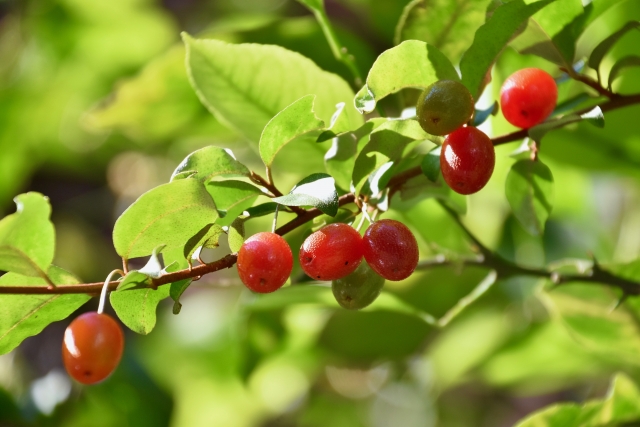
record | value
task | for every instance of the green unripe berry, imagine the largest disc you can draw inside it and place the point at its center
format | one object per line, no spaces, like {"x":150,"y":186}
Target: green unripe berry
{"x":444,"y":106}
{"x":358,"y":289}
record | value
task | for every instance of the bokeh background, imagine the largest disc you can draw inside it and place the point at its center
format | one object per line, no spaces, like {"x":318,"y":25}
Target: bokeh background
{"x":96,"y":108}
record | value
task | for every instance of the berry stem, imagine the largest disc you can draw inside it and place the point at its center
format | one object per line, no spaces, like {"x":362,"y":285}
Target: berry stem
{"x":105,"y":287}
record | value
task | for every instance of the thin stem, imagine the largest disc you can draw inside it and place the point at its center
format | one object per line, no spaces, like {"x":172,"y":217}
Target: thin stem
{"x":275,"y":219}
{"x":105,"y":287}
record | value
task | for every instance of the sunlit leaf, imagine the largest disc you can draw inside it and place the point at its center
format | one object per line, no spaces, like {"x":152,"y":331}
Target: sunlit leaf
{"x":27,"y":315}
{"x":246,"y":85}
{"x":491,"y":38}
{"x":209,"y":162}
{"x":412,"y":64}
{"x":529,"y":190}
{"x":27,"y":237}
{"x":317,"y":190}
{"x":294,"y":121}
{"x":168,"y":215}
{"x":135,"y":303}
{"x":232,"y":198}
{"x":236,"y":234}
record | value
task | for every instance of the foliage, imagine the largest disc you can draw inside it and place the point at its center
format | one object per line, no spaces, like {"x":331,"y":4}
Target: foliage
{"x":286,"y":119}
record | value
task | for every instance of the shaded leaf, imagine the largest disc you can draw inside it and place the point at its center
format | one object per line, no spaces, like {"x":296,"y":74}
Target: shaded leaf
{"x":135,"y":303}
{"x":599,"y":52}
{"x":246,"y":85}
{"x":594,"y":117}
{"x":491,"y":38}
{"x":294,"y":121}
{"x":207,"y":237}
{"x":232,"y":198}
{"x":317,"y":190}
{"x":169,"y":214}
{"x":27,"y":315}
{"x":480,"y":116}
{"x":627,"y":61}
{"x":529,"y":190}
{"x":430,"y":165}
{"x":209,"y":162}
{"x":411,"y":64}
{"x":27,"y":237}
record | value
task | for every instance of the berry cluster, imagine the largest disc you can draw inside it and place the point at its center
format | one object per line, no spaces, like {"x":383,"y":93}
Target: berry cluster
{"x":467,"y":156}
{"x":356,"y":265}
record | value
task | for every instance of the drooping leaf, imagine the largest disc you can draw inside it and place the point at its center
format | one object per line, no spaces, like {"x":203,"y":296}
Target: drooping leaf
{"x":207,"y":237}
{"x":170,"y":214}
{"x":135,"y":303}
{"x":175,"y":260}
{"x":627,"y":61}
{"x":232,"y":198}
{"x":447,"y":25}
{"x":411,"y":64}
{"x":246,"y":85}
{"x":27,"y":237}
{"x":529,"y":190}
{"x":491,"y":38}
{"x":294,"y":121}
{"x":317,"y":190}
{"x":209,"y":162}
{"x":27,"y":315}
{"x":619,"y":408}
{"x":386,"y":143}
{"x":599,"y":52}
{"x":594,"y":117}
{"x":236,"y":234}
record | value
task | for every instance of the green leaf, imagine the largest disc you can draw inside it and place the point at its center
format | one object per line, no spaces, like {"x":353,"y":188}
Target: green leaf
{"x":207,"y":237}
{"x":491,"y":38}
{"x":236,"y":234}
{"x":627,"y":61}
{"x":529,"y":190}
{"x":169,"y":214}
{"x":262,"y":210}
{"x":386,"y":143}
{"x":27,"y":237}
{"x":594,"y":117}
{"x":447,"y":25}
{"x":175,"y":260}
{"x":587,"y":312}
{"x":135,"y":303}
{"x":341,"y":157}
{"x":246,"y":85}
{"x":619,"y":408}
{"x":210,"y":162}
{"x":481,"y":116}
{"x":232,"y":198}
{"x":412,"y":64}
{"x":599,"y":52}
{"x":27,"y":315}
{"x":294,"y":121}
{"x":317,"y":190}
{"x":430,"y":165}
{"x":549,"y":33}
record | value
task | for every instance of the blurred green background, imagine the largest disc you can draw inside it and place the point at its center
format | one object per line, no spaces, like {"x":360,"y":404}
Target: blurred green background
{"x":96,"y":108}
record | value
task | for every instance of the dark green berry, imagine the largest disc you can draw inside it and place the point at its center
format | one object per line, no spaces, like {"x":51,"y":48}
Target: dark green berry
{"x":358,"y":289}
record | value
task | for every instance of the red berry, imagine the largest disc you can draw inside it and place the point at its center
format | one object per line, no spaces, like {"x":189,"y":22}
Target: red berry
{"x":390,"y":249}
{"x":92,"y":347}
{"x":332,"y":252}
{"x":467,"y":159}
{"x":264,"y":262}
{"x":528,"y":97}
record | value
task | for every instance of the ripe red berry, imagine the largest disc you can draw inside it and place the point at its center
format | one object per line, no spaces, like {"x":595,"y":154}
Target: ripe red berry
{"x":390,"y":249}
{"x":467,"y":159}
{"x":332,"y":252}
{"x":528,"y":97}
{"x":92,"y":347}
{"x":264,"y":262}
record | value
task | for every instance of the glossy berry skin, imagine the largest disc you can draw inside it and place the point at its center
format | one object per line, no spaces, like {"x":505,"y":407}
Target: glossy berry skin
{"x":390,"y":249}
{"x":467,"y":159}
{"x":358,"y":289}
{"x":92,"y":347}
{"x":444,"y":106}
{"x":528,"y":97}
{"x":264,"y":262}
{"x":332,"y":252}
